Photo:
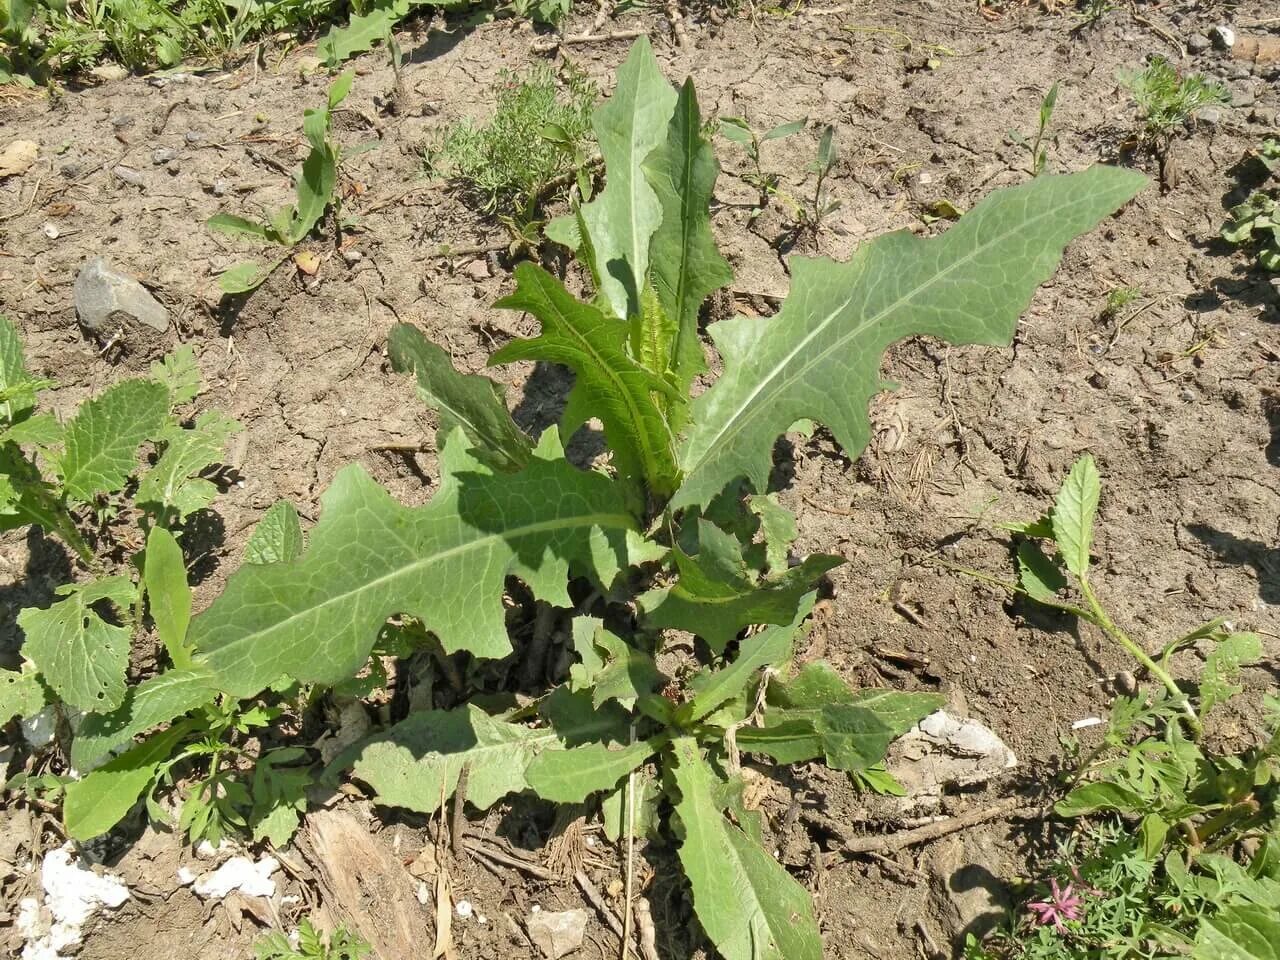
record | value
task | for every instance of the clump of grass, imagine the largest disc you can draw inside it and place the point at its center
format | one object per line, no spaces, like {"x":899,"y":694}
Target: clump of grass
{"x":522,"y":158}
{"x":1168,"y":100}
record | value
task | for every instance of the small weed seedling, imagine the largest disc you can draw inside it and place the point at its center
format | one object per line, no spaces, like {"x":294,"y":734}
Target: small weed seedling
{"x":821,"y":206}
{"x":531,"y":153}
{"x":1177,"y":846}
{"x":1036,"y":145}
{"x":1168,"y":101}
{"x":1256,"y":222}
{"x":567,"y":582}
{"x":739,"y":131}
{"x":312,"y":945}
{"x":1117,"y":300}
{"x":315,"y":184}
{"x":1090,"y":12}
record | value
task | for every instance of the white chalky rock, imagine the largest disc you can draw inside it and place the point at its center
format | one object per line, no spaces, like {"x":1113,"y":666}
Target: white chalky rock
{"x":238,"y":873}
{"x":72,"y":894}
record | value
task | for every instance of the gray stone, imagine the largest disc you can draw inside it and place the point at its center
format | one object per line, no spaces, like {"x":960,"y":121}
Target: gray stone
{"x":1209,"y":115}
{"x":103,"y":293}
{"x":557,"y":935}
{"x":220,"y":187}
{"x":1245,"y":97}
{"x":1198,"y":43}
{"x":163,"y":155}
{"x":128,"y":175}
{"x":1223,"y":37}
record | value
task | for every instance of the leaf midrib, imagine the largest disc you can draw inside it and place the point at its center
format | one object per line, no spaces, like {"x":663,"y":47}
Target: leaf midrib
{"x":747,"y":409}
{"x":593,"y":519}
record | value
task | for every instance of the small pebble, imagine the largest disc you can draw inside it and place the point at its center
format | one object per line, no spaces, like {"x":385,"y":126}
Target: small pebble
{"x":193,"y":136}
{"x":50,"y":231}
{"x":1187,"y":394}
{"x":162,"y":155}
{"x":1211,"y":116}
{"x":1125,"y":683}
{"x":1198,"y":43}
{"x":463,"y":908}
{"x":128,"y":175}
{"x":122,"y":121}
{"x":220,"y":187}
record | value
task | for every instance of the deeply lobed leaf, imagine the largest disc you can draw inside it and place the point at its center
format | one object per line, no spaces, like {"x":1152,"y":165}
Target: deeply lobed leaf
{"x":968,"y":285}
{"x":316,"y":619}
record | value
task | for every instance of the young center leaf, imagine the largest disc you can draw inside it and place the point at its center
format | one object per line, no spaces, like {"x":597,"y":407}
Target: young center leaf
{"x":968,"y":285}
{"x":685,"y":265}
{"x":621,"y":220}
{"x":168,"y":596}
{"x":609,"y":384}
{"x":475,"y":404}
{"x":316,"y":619}
{"x":1074,"y":511}
{"x":173,"y":486}
{"x":748,"y":904}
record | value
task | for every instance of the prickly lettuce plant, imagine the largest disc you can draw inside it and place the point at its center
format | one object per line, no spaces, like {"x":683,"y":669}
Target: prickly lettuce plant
{"x":676,"y":532}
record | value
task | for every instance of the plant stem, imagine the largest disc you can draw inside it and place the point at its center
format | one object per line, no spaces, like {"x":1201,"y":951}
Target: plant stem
{"x":1108,"y":626}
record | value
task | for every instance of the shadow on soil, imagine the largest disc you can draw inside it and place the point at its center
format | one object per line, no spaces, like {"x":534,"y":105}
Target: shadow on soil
{"x":1264,"y":558}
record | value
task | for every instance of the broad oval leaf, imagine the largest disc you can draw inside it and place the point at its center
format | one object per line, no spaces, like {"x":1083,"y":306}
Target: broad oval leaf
{"x":168,"y":596}
{"x":81,"y":656}
{"x":968,"y":285}
{"x":278,"y":536}
{"x":102,"y":439}
{"x":570,"y":776}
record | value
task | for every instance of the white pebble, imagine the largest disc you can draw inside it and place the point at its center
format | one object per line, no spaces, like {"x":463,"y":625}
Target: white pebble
{"x":463,"y":908}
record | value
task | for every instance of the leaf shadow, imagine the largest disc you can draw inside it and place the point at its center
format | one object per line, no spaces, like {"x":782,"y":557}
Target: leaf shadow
{"x":47,"y":567}
{"x":541,"y":405}
{"x":1242,"y":551}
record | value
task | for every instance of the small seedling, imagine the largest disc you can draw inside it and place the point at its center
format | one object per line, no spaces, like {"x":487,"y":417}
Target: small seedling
{"x":315,"y":184}
{"x":1091,"y":12}
{"x":1168,"y":101}
{"x":1176,"y":843}
{"x":1256,"y":222}
{"x":342,"y":944}
{"x":532,"y":152}
{"x":1117,"y":300}
{"x":739,"y":131}
{"x":1036,"y":145}
{"x":821,"y":206}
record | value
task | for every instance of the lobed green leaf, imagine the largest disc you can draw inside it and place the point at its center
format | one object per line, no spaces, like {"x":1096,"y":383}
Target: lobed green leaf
{"x":968,"y":285}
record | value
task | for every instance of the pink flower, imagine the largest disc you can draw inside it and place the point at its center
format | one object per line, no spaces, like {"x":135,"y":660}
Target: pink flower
{"x":1063,"y":904}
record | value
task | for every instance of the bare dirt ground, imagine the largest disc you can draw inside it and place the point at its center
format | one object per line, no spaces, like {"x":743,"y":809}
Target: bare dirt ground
{"x":1178,"y":398}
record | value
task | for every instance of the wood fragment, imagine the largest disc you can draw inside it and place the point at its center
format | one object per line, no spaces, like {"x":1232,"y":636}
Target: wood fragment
{"x":676,"y":16}
{"x":555,"y":42}
{"x":592,"y":893}
{"x":458,"y":822}
{"x":887,"y":843}
{"x":645,"y":928}
{"x":364,"y":884}
{"x":507,"y":860}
